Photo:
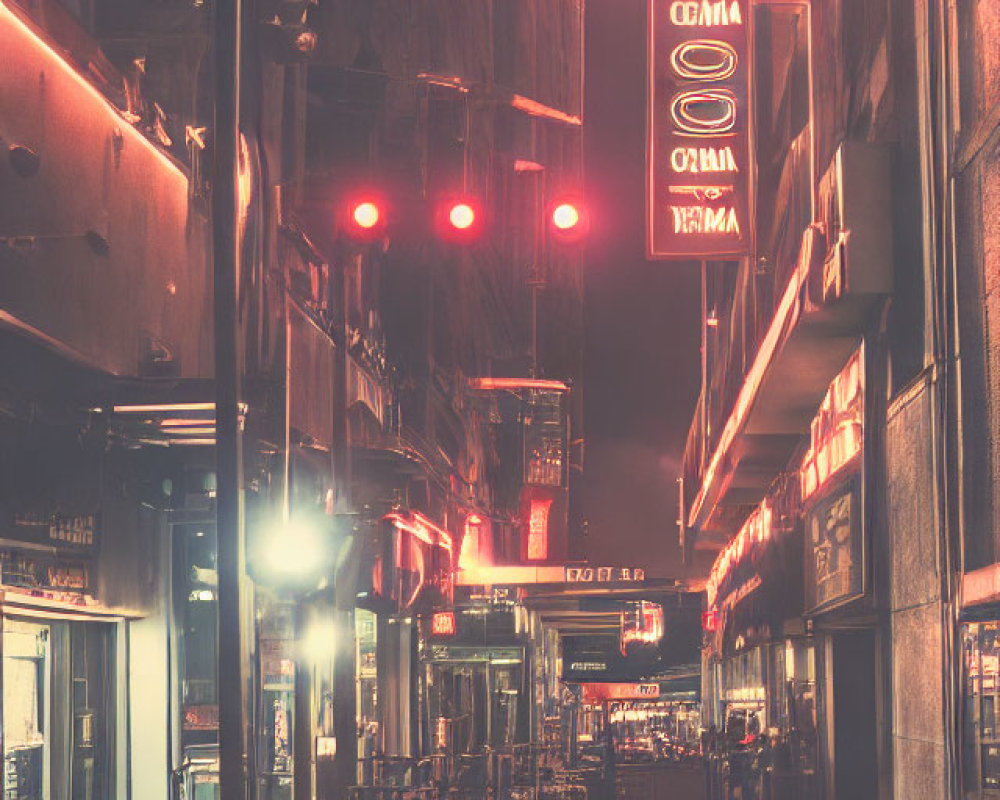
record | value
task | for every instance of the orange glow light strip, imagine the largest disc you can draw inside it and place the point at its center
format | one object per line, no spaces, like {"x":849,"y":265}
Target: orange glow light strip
{"x":8,"y":16}
{"x":491,"y":384}
{"x":421,"y":527}
{"x":536,"y":109}
{"x":783,"y":320}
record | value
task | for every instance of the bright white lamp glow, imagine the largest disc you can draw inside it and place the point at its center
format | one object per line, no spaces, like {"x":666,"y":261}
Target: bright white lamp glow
{"x":294,"y":548}
{"x":461,"y":216}
{"x":366,"y":215}
{"x":319,"y":640}
{"x":565,"y":216}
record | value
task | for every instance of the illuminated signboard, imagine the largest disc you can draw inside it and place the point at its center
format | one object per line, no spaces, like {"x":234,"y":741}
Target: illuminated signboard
{"x":594,"y":693}
{"x":756,"y":531}
{"x":836,"y":435}
{"x":443,"y":623}
{"x":835,"y":550}
{"x":538,"y":529}
{"x":641,"y":623}
{"x":605,"y":574}
{"x":698,"y":157}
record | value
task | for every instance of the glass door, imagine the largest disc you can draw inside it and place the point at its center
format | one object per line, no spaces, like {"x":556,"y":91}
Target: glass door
{"x":58,"y":709}
{"x":26,"y":710}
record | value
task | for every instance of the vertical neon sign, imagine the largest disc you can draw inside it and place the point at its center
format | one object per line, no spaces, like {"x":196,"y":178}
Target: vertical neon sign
{"x":698,"y":158}
{"x":538,"y":529}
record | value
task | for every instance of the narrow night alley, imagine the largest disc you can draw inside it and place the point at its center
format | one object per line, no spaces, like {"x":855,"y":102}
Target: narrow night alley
{"x":500,"y":399}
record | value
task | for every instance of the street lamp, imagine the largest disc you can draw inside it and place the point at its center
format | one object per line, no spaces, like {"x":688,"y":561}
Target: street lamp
{"x":319,"y":640}
{"x":296,"y":553}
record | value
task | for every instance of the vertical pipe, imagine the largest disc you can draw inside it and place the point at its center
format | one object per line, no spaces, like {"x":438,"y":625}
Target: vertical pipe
{"x":534,"y":329}
{"x":232,"y":731}
{"x":704,"y":444}
{"x":302,"y":722}
{"x":344,"y":710}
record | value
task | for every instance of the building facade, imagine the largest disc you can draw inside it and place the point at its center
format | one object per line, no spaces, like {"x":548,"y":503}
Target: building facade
{"x":839,"y":459}
{"x":408,"y":395}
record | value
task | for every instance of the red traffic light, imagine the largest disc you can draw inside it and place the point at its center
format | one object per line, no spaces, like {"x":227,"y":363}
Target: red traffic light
{"x":366,"y":215}
{"x":565,"y":216}
{"x":460,"y":220}
{"x":462,"y":216}
{"x":568,"y":220}
{"x":365,"y":219}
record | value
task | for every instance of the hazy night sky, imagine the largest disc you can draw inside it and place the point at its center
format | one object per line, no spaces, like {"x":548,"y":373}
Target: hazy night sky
{"x":642,"y":359}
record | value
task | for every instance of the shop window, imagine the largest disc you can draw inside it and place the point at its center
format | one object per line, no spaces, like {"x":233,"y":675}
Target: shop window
{"x":981,"y":741}
{"x":369,"y":729}
{"x":59,"y":709}
{"x":196,"y":609}
{"x":545,"y":434}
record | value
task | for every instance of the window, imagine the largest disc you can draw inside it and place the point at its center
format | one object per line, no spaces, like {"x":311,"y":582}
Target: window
{"x":59,"y":709}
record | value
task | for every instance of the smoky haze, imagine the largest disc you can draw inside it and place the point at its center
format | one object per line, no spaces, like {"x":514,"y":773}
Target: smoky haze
{"x":642,"y":318}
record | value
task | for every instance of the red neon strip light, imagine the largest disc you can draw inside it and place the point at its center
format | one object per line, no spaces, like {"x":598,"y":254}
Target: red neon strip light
{"x":491,"y":384}
{"x":422,"y":528}
{"x":536,"y":109}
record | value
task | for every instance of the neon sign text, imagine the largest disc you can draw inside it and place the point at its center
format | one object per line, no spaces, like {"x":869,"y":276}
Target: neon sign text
{"x":705,"y":12}
{"x":703,"y":159}
{"x":704,"y":60}
{"x":704,"y":113}
{"x":703,"y":219}
{"x":698,"y":150}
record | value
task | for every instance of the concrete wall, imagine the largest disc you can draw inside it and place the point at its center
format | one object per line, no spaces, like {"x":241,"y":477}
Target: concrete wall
{"x":918,"y":743}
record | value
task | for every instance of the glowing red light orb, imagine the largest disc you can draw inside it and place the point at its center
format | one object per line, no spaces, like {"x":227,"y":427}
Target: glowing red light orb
{"x":461,"y":216}
{"x":366,"y":215}
{"x":565,"y":216}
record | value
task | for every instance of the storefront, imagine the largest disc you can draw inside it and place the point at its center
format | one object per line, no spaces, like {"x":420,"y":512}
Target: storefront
{"x":792,"y":667}
{"x":758,"y":678}
{"x":981,"y":706}
{"x":68,"y":589}
{"x":407,"y":570}
{"x":63,"y":713}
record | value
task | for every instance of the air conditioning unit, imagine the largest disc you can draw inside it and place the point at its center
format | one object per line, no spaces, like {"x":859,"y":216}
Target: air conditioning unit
{"x":856,"y":212}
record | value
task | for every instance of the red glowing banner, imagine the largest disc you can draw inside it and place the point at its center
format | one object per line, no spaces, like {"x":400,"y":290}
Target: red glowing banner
{"x":836,"y":435}
{"x":538,"y":529}
{"x":443,"y":623}
{"x":698,"y":157}
{"x":595,"y":693}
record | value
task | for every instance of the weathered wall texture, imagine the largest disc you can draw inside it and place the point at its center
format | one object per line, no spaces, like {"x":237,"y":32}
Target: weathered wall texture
{"x":917,"y":694}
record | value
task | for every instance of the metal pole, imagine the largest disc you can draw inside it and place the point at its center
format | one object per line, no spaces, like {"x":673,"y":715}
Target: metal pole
{"x":232,"y":732}
{"x":302,"y":722}
{"x":345,"y":760}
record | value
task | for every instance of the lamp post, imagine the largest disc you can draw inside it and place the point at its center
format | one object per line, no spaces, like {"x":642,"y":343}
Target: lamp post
{"x":228,"y":374}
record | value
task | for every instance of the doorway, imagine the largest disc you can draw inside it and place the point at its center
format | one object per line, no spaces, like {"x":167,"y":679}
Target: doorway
{"x":853,"y":717}
{"x":58,"y":709}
